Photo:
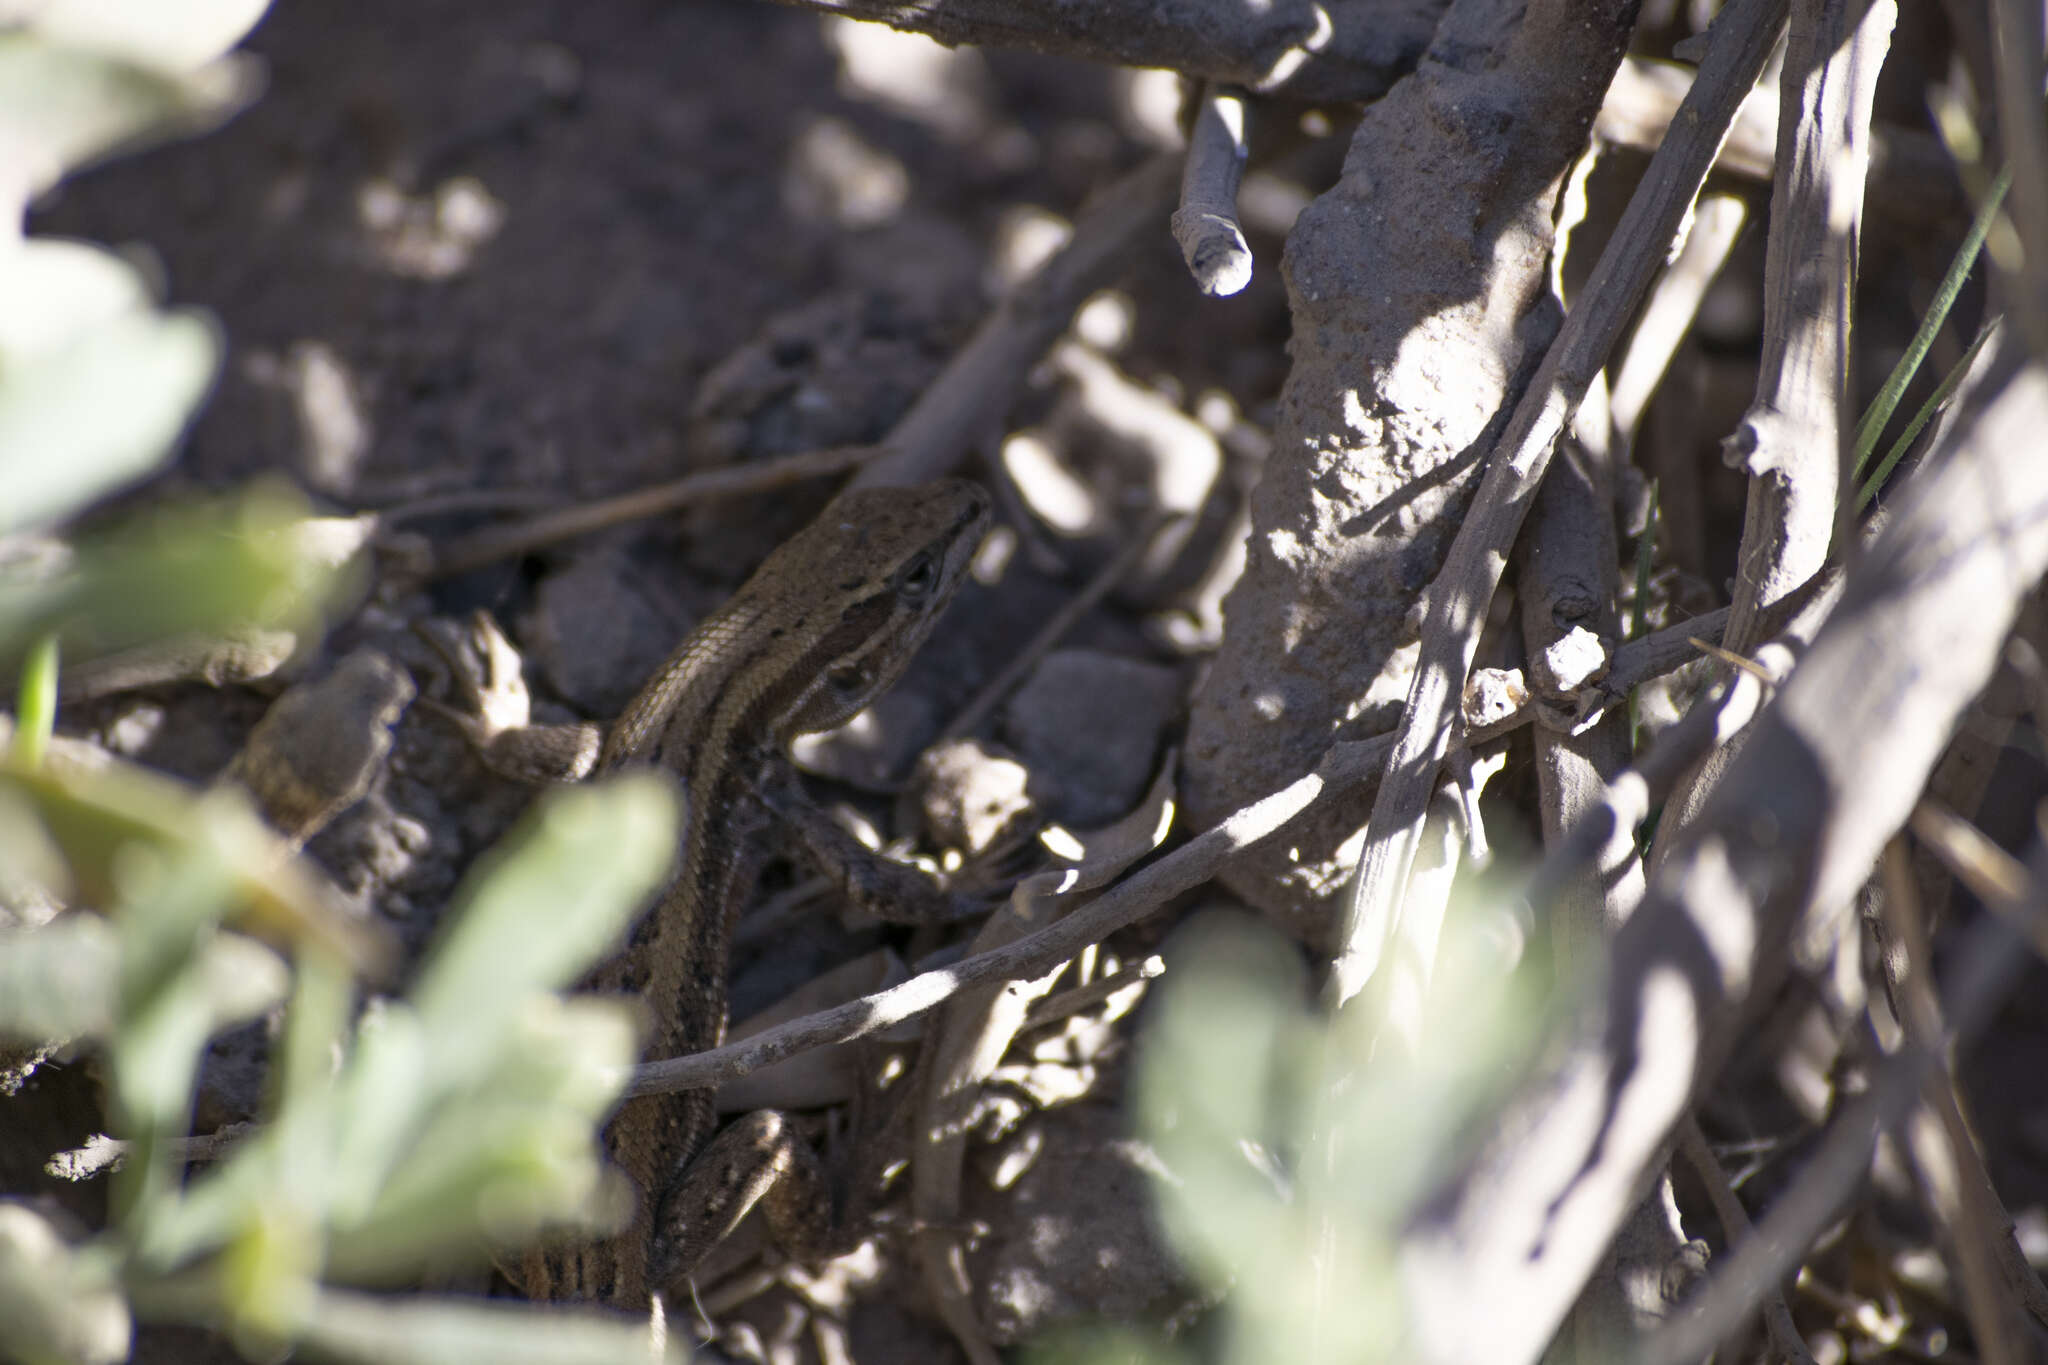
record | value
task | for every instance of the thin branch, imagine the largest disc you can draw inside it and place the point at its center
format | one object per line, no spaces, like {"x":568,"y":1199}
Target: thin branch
{"x":1985,"y":970}
{"x":1936,"y":1135}
{"x":493,"y":543}
{"x":975,"y":390}
{"x":2017,"y":55}
{"x":1963,"y":845}
{"x":1122,"y":905}
{"x":1057,"y":626}
{"x":1913,"y":180}
{"x":1736,"y":1229}
{"x":1716,"y":223}
{"x":1568,"y":585}
{"x":1067,"y":1003}
{"x":1791,"y":441}
{"x":1988,"y":870}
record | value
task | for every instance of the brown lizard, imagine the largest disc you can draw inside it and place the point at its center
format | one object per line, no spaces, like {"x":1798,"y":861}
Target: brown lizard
{"x":828,"y":622}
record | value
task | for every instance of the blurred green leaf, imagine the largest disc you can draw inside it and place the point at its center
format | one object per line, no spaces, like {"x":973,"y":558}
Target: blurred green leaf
{"x":107,"y":820}
{"x":269,"y":1278}
{"x":466,"y":1116}
{"x":171,"y":37}
{"x":514,"y":1151}
{"x":255,"y":562}
{"x":60,"y":290}
{"x":1112,"y":1344}
{"x":57,"y":1306}
{"x":1236,"y":1002}
{"x":421,"y":1331}
{"x":100,"y":412}
{"x":63,"y":106}
{"x":59,"y":981}
{"x":537,"y":912}
{"x":169,"y":903}
{"x":1297,"y":1146}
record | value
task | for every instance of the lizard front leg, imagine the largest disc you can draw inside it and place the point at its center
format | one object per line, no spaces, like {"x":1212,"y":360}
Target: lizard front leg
{"x":497,"y":713}
{"x":896,"y":892}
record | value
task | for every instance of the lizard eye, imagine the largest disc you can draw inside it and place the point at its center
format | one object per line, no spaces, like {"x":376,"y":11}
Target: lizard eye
{"x":919,"y":578}
{"x":848,"y":681}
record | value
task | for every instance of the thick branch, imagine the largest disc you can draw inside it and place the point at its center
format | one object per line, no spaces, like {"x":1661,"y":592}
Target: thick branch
{"x":1742,"y":37}
{"x":1832,"y":769}
{"x":1305,"y":49}
{"x":1419,"y":294}
{"x":1790,"y":440}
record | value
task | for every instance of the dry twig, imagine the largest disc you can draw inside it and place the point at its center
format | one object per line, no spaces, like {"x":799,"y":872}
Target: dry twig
{"x":1205,"y":224}
{"x":1937,"y":1136}
{"x":1736,"y":1228}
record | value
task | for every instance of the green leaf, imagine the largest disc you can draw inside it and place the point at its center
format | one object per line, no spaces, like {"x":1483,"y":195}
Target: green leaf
{"x":37,"y":709}
{"x":60,"y":290}
{"x":254,"y":561}
{"x":60,"y":981}
{"x":57,"y":982}
{"x":538,"y":911}
{"x":57,"y":1307}
{"x":86,"y":418}
{"x":1881,"y":407}
{"x":149,"y":32}
{"x":108,"y":822}
{"x":62,"y":106}
{"x":423,"y":1331}
{"x":1937,"y":400}
{"x":515,"y":1151}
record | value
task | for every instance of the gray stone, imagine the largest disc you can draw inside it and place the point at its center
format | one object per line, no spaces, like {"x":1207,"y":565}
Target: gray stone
{"x":1088,"y":725}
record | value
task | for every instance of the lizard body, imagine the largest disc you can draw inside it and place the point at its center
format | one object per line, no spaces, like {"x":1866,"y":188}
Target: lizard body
{"x":828,"y":622}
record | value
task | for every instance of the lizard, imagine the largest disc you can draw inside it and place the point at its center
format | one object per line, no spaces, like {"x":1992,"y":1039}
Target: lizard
{"x":827,"y":623}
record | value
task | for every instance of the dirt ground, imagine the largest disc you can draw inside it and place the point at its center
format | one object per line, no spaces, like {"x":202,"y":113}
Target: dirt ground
{"x":553,"y":251}
{"x":506,"y":249}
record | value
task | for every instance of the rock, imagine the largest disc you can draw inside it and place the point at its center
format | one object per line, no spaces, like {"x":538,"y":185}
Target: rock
{"x":1088,"y":725}
{"x":596,"y":636}
{"x":1074,"y":1237}
{"x":969,"y":793}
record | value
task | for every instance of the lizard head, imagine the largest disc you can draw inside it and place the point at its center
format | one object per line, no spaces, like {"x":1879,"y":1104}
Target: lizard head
{"x":875,"y":570}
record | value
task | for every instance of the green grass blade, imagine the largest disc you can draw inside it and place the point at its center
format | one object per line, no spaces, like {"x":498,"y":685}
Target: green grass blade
{"x":1934,"y":403}
{"x":1887,"y":401}
{"x":36,"y":710}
